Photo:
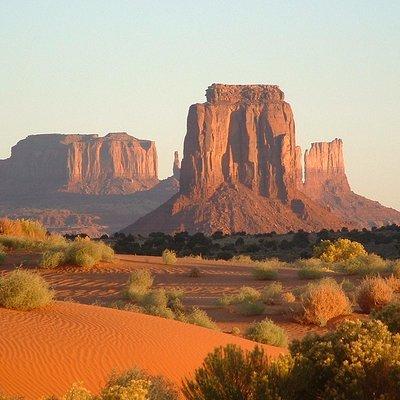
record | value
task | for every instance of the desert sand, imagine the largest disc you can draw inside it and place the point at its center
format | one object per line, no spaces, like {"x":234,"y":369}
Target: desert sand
{"x":45,"y":351}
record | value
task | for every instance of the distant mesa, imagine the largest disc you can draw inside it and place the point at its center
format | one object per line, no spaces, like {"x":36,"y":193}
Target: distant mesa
{"x":242,"y":171}
{"x":82,"y":182}
{"x":114,"y":164}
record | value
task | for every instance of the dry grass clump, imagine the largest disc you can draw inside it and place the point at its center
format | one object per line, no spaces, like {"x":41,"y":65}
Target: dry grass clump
{"x":367,"y":264}
{"x":82,"y":252}
{"x":395,"y":268}
{"x":373,"y":293}
{"x":266,"y":270}
{"x":267,"y":332}
{"x":24,"y":290}
{"x":22,"y":228}
{"x":200,"y":318}
{"x":169,"y":257}
{"x":272,"y":293}
{"x":248,"y":301}
{"x":312,"y":268}
{"x":394,"y":283}
{"x":322,"y":301}
{"x":138,"y":285}
{"x":339,"y":250}
{"x":288,"y":297}
{"x":241,"y":259}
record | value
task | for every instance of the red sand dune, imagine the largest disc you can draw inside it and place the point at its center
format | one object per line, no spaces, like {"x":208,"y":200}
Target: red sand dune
{"x":44,"y":351}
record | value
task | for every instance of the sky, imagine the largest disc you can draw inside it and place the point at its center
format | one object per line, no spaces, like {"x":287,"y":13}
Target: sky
{"x":136,"y":66}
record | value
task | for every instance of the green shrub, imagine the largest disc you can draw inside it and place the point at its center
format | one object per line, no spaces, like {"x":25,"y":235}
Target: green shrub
{"x":137,"y":385}
{"x":24,"y":290}
{"x":169,"y":257}
{"x":87,"y":253}
{"x":249,"y":307}
{"x":324,"y":300}
{"x":246,"y":294}
{"x":339,"y":250}
{"x":52,"y":259}
{"x":373,"y":292}
{"x":312,"y":268}
{"x":267,"y":332}
{"x":139,"y":284}
{"x":229,"y":373}
{"x":360,"y":360}
{"x":2,"y":257}
{"x":155,"y":302}
{"x":367,"y":264}
{"x":390,"y":316}
{"x":200,"y":317}
{"x":265,"y":270}
{"x":272,"y":293}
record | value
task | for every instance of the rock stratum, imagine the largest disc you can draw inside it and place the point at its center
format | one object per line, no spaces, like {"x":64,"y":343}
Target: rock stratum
{"x":115,"y":164}
{"x":83,"y":183}
{"x":242,"y":171}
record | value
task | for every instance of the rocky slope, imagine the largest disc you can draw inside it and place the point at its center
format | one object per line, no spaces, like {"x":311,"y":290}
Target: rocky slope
{"x":327,"y":184}
{"x":241,"y":169}
{"x":114,"y":164}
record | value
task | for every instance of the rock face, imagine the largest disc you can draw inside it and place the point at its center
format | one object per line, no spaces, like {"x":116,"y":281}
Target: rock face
{"x":327,"y":184}
{"x":324,"y":170}
{"x":176,"y":168}
{"x":82,"y":183}
{"x":241,"y":169}
{"x":114,"y":164}
{"x":241,"y":135}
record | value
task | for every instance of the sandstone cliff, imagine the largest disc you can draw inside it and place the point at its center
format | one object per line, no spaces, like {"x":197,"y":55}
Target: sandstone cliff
{"x":241,"y":169}
{"x":327,"y":184}
{"x":114,"y":164}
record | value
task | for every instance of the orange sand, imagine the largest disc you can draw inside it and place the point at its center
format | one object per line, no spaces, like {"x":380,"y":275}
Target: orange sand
{"x":44,"y":351}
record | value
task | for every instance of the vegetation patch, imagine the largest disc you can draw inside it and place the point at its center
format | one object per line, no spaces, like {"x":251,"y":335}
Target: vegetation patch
{"x":169,"y":257}
{"x":339,"y":250}
{"x":312,"y":268}
{"x":373,"y":293}
{"x":322,"y":301}
{"x":267,"y":332}
{"x":24,"y":290}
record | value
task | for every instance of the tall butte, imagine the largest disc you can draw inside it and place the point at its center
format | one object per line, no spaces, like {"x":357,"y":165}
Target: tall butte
{"x":241,"y":169}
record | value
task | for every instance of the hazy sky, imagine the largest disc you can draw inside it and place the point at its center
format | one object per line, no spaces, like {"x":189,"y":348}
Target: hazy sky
{"x":136,"y":66}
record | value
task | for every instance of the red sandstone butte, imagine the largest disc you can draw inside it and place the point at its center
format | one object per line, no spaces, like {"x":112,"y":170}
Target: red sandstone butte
{"x":241,"y":169}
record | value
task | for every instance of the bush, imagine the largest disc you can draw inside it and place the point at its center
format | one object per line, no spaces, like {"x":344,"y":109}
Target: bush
{"x":139,"y":284}
{"x":390,"y":316}
{"x":368,"y":264}
{"x":340,"y":250}
{"x":200,"y":318}
{"x":266,"y":270}
{"x":373,"y":292}
{"x":52,"y":259}
{"x":394,"y":283}
{"x":249,"y":307}
{"x":272,"y":294}
{"x":155,"y":302}
{"x":87,"y":253}
{"x":169,"y":257}
{"x":229,"y":373}
{"x":2,"y":257}
{"x":324,"y":300}
{"x":77,"y":392}
{"x":24,"y":290}
{"x":137,"y":385}
{"x":360,"y":360}
{"x":267,"y":332}
{"x":246,"y":294}
{"x":22,"y":228}
{"x":235,"y":331}
{"x":312,"y":268}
